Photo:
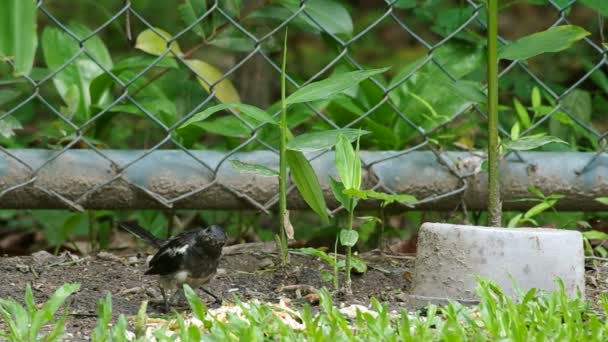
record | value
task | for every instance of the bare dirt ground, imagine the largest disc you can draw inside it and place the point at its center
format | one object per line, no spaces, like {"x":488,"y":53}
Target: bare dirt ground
{"x":247,"y":271}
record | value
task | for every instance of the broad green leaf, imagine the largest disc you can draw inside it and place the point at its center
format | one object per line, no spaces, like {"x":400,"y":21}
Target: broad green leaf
{"x":190,"y":11}
{"x":18,"y":39}
{"x":600,"y":6}
{"x":327,"y":15}
{"x":8,"y":95}
{"x":386,"y":198}
{"x":468,"y":90}
{"x":338,"y":190}
{"x":522,"y":114}
{"x":514,"y":221}
{"x":307,"y":183}
{"x":330,"y":86}
{"x":348,"y":238}
{"x":73,"y":81}
{"x":316,"y":141}
{"x":254,"y":168}
{"x":208,"y":76}
{"x":552,"y":40}
{"x":156,"y":43}
{"x":577,"y":103}
{"x":531,"y":142}
{"x":347,"y":163}
{"x":603,"y":200}
{"x":358,"y":265}
{"x":229,"y":126}
{"x":251,"y":112}
{"x":140,"y":62}
{"x":595,"y":235}
{"x":8,"y":126}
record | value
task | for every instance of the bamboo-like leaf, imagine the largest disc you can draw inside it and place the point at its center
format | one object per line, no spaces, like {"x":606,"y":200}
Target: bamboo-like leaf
{"x":345,"y":161}
{"x":555,"y":39}
{"x":386,"y":198}
{"x":254,"y":168}
{"x":603,"y":200}
{"x":330,"y":86}
{"x":307,"y":183}
{"x":252,"y":112}
{"x":531,"y":142}
{"x":322,"y":140}
{"x":18,"y":39}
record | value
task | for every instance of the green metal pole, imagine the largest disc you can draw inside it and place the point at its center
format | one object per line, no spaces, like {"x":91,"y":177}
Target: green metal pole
{"x":494,"y":203}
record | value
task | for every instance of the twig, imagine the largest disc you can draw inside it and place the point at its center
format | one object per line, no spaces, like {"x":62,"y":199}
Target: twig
{"x":596,"y":258}
{"x":65,"y":263}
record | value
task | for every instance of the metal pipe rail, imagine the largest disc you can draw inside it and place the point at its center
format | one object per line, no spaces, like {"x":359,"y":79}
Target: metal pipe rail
{"x":162,"y":179}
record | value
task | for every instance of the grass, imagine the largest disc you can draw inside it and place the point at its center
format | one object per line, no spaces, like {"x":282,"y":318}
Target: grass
{"x":534,"y":316}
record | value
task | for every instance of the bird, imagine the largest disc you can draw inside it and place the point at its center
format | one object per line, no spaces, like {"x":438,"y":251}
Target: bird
{"x":191,"y":257}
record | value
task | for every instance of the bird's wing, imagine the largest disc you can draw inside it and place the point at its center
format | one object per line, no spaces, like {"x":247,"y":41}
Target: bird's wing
{"x":170,"y":257}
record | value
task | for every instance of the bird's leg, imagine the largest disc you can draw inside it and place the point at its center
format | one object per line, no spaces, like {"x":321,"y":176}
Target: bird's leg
{"x":217,"y":299}
{"x":165,"y":301}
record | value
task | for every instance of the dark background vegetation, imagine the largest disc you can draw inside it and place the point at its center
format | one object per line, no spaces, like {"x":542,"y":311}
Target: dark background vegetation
{"x":376,"y":40}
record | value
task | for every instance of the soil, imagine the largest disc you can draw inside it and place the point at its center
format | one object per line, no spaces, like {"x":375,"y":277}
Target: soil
{"x":249,"y":271}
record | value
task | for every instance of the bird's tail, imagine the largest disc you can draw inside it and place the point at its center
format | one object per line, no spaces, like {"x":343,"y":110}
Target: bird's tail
{"x":141,"y":233}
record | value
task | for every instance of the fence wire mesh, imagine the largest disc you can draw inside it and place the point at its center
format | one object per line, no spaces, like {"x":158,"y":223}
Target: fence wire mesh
{"x":234,"y":55}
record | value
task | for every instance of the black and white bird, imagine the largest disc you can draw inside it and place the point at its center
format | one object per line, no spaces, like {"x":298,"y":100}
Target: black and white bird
{"x":191,"y":257}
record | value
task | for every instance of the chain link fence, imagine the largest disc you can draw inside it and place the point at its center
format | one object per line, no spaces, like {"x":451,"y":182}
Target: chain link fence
{"x":416,"y":112}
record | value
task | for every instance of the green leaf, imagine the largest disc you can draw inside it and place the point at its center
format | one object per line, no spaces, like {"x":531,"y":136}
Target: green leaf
{"x":8,"y":126}
{"x":254,"y":113}
{"x":327,"y":15}
{"x":348,"y":238}
{"x":522,"y":114}
{"x":468,"y":90}
{"x":316,"y":141}
{"x":405,"y":4}
{"x":330,"y":86}
{"x":196,"y":304}
{"x":73,"y":81}
{"x":254,"y":168}
{"x":515,"y":131}
{"x":539,"y":208}
{"x":228,"y":126}
{"x":156,"y":43}
{"x":208,"y":75}
{"x":534,"y":190}
{"x":386,"y":198}
{"x":338,"y":189}
{"x":319,"y":254}
{"x":600,"y":6}
{"x":531,"y":142}
{"x":307,"y":183}
{"x":536,"y":99}
{"x":18,"y":39}
{"x":190,"y":11}
{"x":595,"y":235}
{"x":603,"y":200}
{"x":514,"y":221}
{"x":348,"y":164}
{"x":552,"y":40}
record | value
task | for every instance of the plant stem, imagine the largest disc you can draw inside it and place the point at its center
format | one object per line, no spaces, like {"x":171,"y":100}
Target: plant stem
{"x":336,"y":269}
{"x":494,"y":203}
{"x":351,"y":214}
{"x":283,"y":163}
